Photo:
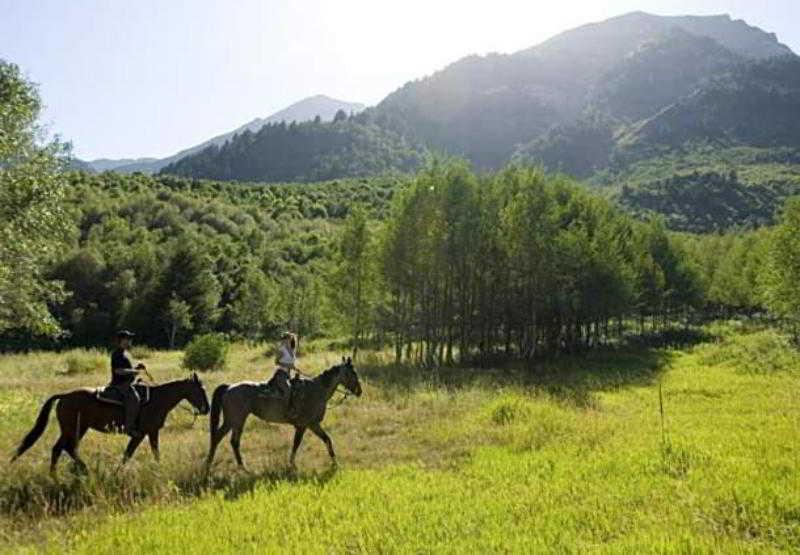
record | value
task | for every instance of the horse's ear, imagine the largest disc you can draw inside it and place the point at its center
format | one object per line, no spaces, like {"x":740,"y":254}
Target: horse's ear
{"x":343,"y":360}
{"x":349,"y":361}
{"x":195,"y":377}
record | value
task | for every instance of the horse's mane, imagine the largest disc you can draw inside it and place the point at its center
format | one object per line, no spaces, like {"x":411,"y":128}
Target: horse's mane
{"x":171,"y":382}
{"x":328,"y":374}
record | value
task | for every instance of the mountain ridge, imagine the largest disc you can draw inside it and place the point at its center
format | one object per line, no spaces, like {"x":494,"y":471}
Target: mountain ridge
{"x":596,"y":102}
{"x":549,"y":84}
{"x":303,"y":110}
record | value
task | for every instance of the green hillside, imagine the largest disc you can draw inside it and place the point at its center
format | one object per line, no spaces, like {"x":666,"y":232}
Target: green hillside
{"x":706,"y":187}
{"x":309,"y":151}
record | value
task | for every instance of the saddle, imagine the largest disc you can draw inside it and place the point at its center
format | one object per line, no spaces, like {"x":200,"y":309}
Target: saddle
{"x":297,"y":388}
{"x":111,"y":395}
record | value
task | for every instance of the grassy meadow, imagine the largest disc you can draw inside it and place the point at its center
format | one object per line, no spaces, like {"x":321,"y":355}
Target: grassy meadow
{"x":571,"y":455}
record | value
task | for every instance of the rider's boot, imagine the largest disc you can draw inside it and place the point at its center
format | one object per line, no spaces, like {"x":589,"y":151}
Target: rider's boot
{"x":131,"y":414}
{"x":291,"y":407}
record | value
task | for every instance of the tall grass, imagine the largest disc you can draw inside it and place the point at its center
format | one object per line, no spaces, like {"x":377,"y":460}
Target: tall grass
{"x":85,"y":362}
{"x":623,"y":451}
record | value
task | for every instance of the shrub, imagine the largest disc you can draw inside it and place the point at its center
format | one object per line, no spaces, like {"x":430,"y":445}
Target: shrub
{"x":206,"y":352}
{"x":86,"y":362}
{"x":507,"y":409}
{"x":760,"y":352}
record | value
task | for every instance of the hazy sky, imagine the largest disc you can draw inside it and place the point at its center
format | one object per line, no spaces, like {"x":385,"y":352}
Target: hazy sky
{"x":149,"y":77}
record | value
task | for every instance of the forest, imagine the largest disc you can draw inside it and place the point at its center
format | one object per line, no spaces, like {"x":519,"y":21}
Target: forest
{"x":349,"y":146}
{"x":445,"y":265}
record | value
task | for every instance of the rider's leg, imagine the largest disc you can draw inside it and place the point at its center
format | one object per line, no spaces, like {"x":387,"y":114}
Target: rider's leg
{"x":131,"y":401}
{"x":133,"y":444}
{"x":153,"y":437}
{"x":288,"y":394}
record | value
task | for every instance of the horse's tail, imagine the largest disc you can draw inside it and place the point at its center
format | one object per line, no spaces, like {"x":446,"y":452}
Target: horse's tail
{"x":216,"y":406}
{"x":38,"y":428}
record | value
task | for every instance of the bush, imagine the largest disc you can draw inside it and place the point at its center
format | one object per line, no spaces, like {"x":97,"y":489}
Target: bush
{"x":760,"y":352}
{"x":507,"y":409}
{"x":86,"y":362}
{"x":206,"y":352}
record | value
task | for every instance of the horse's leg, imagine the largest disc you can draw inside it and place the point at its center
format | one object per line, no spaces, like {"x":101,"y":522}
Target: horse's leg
{"x":298,"y":439}
{"x":56,"y":453}
{"x":218,"y":436}
{"x":73,"y":439}
{"x":236,"y":438}
{"x":71,"y":447}
{"x":320,"y":433}
{"x":133,"y":444}
{"x":153,"y":437}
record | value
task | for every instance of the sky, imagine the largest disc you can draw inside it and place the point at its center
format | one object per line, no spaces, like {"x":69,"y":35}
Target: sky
{"x":125,"y":79}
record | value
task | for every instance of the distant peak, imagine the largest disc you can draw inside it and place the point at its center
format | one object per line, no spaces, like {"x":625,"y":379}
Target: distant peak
{"x":320,"y":97}
{"x":636,"y":14}
{"x":325,"y":98}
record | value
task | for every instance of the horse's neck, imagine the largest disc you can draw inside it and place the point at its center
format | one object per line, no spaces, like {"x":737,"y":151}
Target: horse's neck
{"x":172,"y":393}
{"x":330,"y":381}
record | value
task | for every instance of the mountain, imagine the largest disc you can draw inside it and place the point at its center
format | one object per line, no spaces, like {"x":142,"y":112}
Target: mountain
{"x":482,"y":107}
{"x":309,"y":151}
{"x":304,"y":110}
{"x":662,"y":101}
{"x":753,"y":104}
{"x":663,"y":69}
{"x":686,"y":116}
{"x":109,"y":164}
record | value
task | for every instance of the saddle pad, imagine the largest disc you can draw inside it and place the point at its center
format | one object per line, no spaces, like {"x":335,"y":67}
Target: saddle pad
{"x":111,"y":395}
{"x":267,"y":389}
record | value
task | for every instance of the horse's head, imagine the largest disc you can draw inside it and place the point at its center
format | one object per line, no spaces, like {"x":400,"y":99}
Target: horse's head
{"x":197,"y":395}
{"x":349,"y":377}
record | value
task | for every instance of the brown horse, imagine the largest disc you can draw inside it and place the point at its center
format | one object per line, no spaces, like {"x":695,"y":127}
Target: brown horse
{"x":238,"y":401}
{"x":80,"y":409}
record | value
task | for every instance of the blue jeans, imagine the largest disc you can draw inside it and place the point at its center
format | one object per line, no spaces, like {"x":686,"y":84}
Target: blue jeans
{"x":281,"y":380}
{"x":131,"y":403}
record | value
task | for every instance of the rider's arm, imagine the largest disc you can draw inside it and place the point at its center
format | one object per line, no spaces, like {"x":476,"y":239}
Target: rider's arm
{"x":121,"y":365}
{"x":126,"y":371}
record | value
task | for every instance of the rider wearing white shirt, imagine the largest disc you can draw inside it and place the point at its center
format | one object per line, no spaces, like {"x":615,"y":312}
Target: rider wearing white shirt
{"x":286,"y":356}
{"x":286,"y":360}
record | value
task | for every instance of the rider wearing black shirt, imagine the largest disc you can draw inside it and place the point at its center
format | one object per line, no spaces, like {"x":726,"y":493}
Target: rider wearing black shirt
{"x":123,"y":375}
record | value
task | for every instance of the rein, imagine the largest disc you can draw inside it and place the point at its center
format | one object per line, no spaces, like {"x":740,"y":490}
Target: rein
{"x":345,"y":394}
{"x":191,"y":410}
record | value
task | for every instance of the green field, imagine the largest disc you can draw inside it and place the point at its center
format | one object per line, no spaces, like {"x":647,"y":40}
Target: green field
{"x":569,"y":456}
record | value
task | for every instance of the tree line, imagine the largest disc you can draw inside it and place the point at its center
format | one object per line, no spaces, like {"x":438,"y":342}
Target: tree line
{"x":517,"y":264}
{"x":523,"y":264}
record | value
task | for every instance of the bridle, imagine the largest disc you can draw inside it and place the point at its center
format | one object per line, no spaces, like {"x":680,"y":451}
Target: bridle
{"x":341,"y":389}
{"x":344,"y":395}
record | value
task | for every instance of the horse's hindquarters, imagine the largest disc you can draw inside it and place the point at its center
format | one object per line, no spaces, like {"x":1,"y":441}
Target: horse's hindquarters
{"x":83,"y":411}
